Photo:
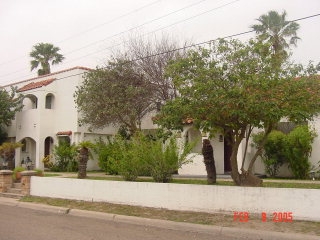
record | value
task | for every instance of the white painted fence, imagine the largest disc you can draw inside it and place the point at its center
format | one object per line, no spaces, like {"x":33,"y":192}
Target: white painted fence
{"x":303,"y":203}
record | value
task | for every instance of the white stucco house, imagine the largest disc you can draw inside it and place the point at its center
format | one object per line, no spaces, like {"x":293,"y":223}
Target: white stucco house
{"x":50,"y":113}
{"x":222,"y":152}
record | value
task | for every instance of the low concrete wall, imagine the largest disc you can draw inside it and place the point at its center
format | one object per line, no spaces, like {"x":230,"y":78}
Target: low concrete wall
{"x":303,"y":203}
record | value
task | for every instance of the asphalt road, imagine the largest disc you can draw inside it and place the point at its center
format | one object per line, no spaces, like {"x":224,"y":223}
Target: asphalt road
{"x":28,"y":221}
{"x":21,"y":223}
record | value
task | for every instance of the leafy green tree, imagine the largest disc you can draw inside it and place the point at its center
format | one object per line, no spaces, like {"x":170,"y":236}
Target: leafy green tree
{"x":232,"y":88}
{"x":276,"y":30}
{"x":44,"y":54}
{"x":115,"y":95}
{"x":10,"y":104}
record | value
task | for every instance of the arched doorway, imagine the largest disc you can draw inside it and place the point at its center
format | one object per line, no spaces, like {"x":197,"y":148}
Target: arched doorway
{"x":28,"y":151}
{"x":48,"y":145}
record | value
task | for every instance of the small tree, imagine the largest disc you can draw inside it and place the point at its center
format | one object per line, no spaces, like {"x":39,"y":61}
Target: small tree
{"x":232,"y":88}
{"x":7,"y":151}
{"x":131,"y":85}
{"x":10,"y":104}
{"x":114,"y":95}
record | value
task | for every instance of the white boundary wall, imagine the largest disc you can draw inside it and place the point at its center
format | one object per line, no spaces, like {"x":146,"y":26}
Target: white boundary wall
{"x":303,"y":203}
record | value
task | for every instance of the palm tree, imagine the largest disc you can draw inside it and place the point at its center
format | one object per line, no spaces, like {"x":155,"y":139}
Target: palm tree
{"x":43,"y":54}
{"x":275,"y":29}
{"x":83,"y":157}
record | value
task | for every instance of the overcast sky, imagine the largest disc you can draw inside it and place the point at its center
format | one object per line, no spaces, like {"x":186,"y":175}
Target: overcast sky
{"x":88,"y":30}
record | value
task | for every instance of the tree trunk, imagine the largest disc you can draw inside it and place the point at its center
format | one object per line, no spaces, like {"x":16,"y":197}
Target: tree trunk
{"x":234,"y":163}
{"x":83,"y":159}
{"x":248,"y":179}
{"x":208,"y":159}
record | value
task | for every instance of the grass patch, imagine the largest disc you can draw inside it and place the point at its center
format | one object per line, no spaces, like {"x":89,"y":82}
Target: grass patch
{"x":175,"y":180}
{"x":51,"y":174}
{"x":272,"y":183}
{"x":217,"y":219}
{"x":293,"y":184}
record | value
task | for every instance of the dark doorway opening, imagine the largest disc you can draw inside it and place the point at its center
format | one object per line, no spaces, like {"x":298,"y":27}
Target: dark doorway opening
{"x":227,"y":153}
{"x":47,"y":146}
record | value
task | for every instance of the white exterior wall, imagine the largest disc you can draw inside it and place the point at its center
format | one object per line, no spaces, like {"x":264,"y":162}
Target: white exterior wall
{"x":303,"y":203}
{"x":197,"y":166}
{"x":40,"y":123}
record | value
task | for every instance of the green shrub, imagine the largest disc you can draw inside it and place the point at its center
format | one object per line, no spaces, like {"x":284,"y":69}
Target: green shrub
{"x":124,"y":160}
{"x":142,"y":155}
{"x":103,"y":150}
{"x":163,"y":159}
{"x":294,"y":148}
{"x":273,"y":155}
{"x":65,"y":157}
{"x":298,"y":150}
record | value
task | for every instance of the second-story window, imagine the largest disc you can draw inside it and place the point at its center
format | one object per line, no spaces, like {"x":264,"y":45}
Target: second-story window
{"x":49,"y":102}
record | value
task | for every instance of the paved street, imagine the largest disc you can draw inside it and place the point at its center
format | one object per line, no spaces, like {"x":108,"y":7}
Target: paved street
{"x":21,"y":223}
{"x":19,"y":220}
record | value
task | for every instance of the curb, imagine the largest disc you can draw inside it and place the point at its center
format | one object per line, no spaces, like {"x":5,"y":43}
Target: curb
{"x":240,"y":233}
{"x":34,"y":206}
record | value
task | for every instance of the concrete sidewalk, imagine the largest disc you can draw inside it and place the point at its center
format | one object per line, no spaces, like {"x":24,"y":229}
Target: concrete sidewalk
{"x":238,"y":233}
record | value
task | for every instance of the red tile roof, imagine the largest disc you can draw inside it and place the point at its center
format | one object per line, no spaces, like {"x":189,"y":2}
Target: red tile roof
{"x":34,"y":85}
{"x":64,"y":133}
{"x":50,"y":74}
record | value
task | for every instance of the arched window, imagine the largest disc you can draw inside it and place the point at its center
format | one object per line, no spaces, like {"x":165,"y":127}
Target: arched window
{"x":49,"y":101}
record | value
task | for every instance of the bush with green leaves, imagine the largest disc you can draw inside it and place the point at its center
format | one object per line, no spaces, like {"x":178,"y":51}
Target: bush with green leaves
{"x":123,"y":158}
{"x":273,"y":155}
{"x":142,"y":155}
{"x":103,"y":150}
{"x":294,"y":148}
{"x":65,"y":155}
{"x":298,"y":150}
{"x":163,"y":158}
